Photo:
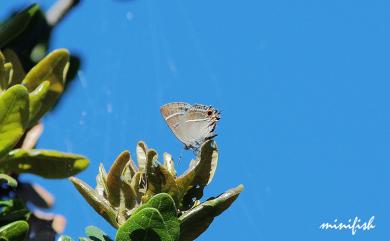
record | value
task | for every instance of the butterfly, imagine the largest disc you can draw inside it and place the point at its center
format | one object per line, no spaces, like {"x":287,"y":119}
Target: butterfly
{"x":191,"y":124}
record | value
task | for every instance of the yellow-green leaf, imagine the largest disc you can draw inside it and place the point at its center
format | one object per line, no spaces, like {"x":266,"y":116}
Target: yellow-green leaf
{"x":52,"y":68}
{"x":38,"y":104}
{"x":101,"y":205}
{"x":197,"y":220}
{"x":15,"y":231}
{"x":114,"y":178}
{"x":9,"y":180}
{"x":159,"y":179}
{"x":192,"y":183}
{"x":14,"y":114}
{"x":45,"y":163}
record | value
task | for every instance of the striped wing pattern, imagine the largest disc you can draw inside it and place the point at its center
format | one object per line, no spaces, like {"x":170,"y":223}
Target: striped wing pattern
{"x":191,"y":124}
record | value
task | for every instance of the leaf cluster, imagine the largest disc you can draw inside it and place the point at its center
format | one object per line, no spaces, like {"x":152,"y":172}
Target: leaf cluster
{"x":126,"y":195}
{"x":30,"y":85}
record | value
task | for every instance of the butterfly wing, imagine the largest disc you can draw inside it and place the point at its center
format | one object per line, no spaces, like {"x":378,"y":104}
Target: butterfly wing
{"x":192,"y":125}
{"x":175,"y":115}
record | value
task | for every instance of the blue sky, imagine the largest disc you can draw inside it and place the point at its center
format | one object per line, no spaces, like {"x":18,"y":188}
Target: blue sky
{"x":303,"y":87}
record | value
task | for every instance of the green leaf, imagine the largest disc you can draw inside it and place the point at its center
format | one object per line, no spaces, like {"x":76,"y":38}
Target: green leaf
{"x":13,"y":117}
{"x":38,"y":104}
{"x":165,"y":204}
{"x":195,"y":221}
{"x":128,"y":196}
{"x":114,"y":180}
{"x":147,"y":225}
{"x":15,"y":231}
{"x":192,"y":183}
{"x":155,"y":220}
{"x":99,"y":203}
{"x":52,"y":68}
{"x":64,"y":238}
{"x":96,"y":234}
{"x":45,"y":163}
{"x":9,"y":180}
{"x":119,"y":191}
{"x":16,"y":25}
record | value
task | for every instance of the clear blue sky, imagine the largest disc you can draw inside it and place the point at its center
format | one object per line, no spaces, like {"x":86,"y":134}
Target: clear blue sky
{"x":303,"y":87}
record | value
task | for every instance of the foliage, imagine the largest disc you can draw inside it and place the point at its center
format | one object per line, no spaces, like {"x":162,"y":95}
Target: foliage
{"x":144,"y":202}
{"x":150,"y":202}
{"x":15,"y":231}
{"x":156,"y":218}
{"x":21,"y":107}
{"x":30,"y":85}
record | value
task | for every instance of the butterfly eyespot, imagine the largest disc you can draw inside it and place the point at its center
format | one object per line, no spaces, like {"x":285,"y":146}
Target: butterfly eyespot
{"x":209,"y":112}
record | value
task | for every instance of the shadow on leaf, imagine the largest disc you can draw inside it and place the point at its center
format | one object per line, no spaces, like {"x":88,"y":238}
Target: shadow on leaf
{"x":145,"y":234}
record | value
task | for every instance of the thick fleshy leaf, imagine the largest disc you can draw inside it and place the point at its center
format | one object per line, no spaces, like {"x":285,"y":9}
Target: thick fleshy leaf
{"x":195,"y":221}
{"x":141,"y":151}
{"x":16,"y":24}
{"x":38,"y":104}
{"x":15,"y":231}
{"x":160,"y":180}
{"x":9,"y":180}
{"x":135,"y":184}
{"x":96,"y":234}
{"x":192,"y":183}
{"x":101,"y":182}
{"x":14,"y":105}
{"x":52,"y":68}
{"x":128,"y":195}
{"x":114,"y":178}
{"x":45,"y":163}
{"x":155,"y":220}
{"x":101,"y":205}
{"x":128,"y":198}
{"x":129,"y":170}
